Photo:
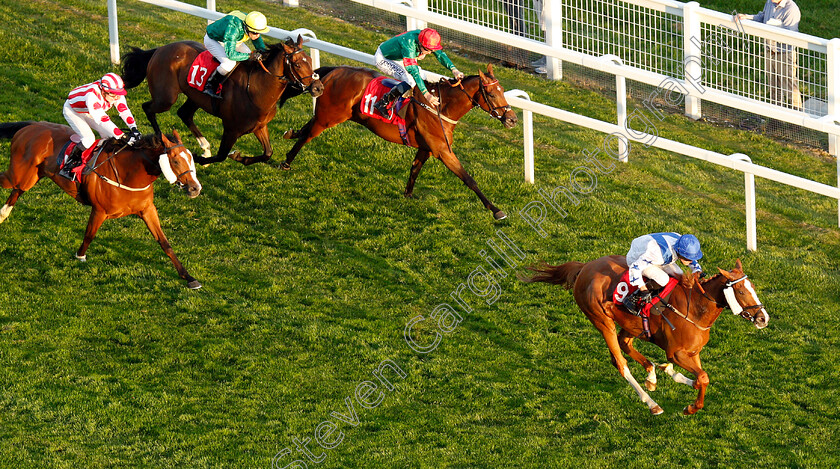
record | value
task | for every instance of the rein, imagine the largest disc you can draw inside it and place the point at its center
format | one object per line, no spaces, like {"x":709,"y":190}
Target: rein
{"x":116,"y":172}
{"x":287,"y":65}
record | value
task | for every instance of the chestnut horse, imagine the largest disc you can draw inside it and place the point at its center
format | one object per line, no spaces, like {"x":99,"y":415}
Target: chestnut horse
{"x":116,"y":183}
{"x":427,"y":131}
{"x":249,"y":96}
{"x":680,"y":327}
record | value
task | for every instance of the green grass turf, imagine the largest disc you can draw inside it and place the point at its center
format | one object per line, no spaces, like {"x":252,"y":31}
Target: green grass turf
{"x":312,"y":275}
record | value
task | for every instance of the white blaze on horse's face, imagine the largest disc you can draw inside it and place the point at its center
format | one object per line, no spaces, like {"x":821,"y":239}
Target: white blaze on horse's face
{"x":183,"y":159}
{"x":761,"y":318}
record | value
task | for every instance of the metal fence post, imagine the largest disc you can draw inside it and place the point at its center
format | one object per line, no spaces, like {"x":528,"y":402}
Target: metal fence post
{"x":692,"y":65}
{"x":527,"y":135}
{"x":749,"y":202}
{"x":554,"y":36}
{"x":620,"y":106}
{"x":211,"y":5}
{"x":113,"y":33}
{"x":833,"y":91}
{"x":412,"y":23}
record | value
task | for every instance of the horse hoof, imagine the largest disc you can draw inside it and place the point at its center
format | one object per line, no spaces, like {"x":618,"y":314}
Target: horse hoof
{"x":651,"y":386}
{"x":408,"y":195}
{"x":81,"y":258}
{"x":289,"y":134}
{"x":656,"y":410}
{"x":690,"y":410}
{"x":285,"y":166}
{"x":194,"y":285}
{"x":500,"y":215}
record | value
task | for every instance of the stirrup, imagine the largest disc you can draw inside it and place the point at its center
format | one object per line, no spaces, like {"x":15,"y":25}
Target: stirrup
{"x":382,"y":109}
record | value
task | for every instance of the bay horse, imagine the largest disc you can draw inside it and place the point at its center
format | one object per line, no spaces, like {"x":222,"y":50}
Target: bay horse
{"x":249,"y":99}
{"x":427,"y":131}
{"x":116,"y":184}
{"x":681,"y":329}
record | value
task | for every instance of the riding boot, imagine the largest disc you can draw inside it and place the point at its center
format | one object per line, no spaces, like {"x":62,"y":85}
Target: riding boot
{"x":74,"y":160}
{"x":213,"y":84}
{"x":635,"y":301}
{"x":384,"y":102}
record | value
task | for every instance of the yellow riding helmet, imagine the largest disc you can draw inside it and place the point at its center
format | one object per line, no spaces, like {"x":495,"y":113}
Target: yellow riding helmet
{"x":255,"y":22}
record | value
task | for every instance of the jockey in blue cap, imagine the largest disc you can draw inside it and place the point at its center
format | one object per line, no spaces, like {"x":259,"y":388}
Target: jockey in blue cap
{"x":654,"y":256}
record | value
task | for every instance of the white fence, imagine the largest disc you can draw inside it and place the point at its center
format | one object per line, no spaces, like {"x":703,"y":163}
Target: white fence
{"x":622,"y":130}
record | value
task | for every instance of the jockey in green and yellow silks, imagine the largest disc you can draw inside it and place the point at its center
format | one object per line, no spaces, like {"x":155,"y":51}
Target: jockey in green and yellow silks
{"x":225,"y":39}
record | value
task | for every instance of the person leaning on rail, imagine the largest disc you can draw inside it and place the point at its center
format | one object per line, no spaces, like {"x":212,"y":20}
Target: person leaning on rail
{"x":781,"y":59}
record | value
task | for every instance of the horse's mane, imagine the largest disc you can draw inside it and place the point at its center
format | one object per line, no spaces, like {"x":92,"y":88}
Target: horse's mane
{"x":277,"y":47}
{"x":146,"y":142}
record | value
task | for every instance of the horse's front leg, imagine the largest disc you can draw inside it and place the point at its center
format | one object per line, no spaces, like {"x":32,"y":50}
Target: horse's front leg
{"x":261,"y":133}
{"x":690,"y":361}
{"x":228,"y":140}
{"x":625,"y":340}
{"x":451,"y":161}
{"x":416,"y":166}
{"x":187,"y":113}
{"x":94,"y":222}
{"x":150,"y":217}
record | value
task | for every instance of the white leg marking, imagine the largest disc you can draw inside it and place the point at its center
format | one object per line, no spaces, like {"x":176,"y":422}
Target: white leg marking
{"x":651,"y":377}
{"x":678,"y":377}
{"x":641,"y":392}
{"x":5,"y":211}
{"x":81,"y":258}
{"x":205,"y":145}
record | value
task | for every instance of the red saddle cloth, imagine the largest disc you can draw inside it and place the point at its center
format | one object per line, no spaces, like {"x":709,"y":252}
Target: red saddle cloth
{"x":375,"y":90}
{"x":624,"y":288}
{"x":85,"y":158}
{"x":201,"y":69}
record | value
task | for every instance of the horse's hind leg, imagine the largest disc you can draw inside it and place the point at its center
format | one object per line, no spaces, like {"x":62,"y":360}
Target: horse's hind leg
{"x":607,"y":328}
{"x":150,"y":217}
{"x":187,"y":112}
{"x":309,"y":131}
{"x":416,"y":166}
{"x":6,"y":210}
{"x":625,"y":340}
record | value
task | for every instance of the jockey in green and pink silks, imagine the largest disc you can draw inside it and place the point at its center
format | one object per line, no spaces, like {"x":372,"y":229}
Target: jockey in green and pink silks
{"x":398,"y":58}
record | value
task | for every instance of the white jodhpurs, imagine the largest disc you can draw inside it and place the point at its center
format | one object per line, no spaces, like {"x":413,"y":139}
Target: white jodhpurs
{"x":84,"y":125}
{"x":218,"y":50}
{"x":395,"y":69}
{"x":660,"y":274}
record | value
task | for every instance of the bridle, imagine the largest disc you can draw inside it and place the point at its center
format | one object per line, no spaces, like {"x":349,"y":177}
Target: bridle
{"x":191,"y":167}
{"x":493,"y":111}
{"x":297,"y":80}
{"x":731,"y":302}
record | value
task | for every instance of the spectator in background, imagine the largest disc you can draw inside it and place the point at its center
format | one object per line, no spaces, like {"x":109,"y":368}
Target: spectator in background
{"x":781,"y":59}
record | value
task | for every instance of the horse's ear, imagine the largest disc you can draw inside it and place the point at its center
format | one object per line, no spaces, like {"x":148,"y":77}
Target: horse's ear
{"x":177,"y":135}
{"x":300,"y":40}
{"x":165,"y":140}
{"x":490,"y":69}
{"x":738,"y":266}
{"x":726,"y":274}
{"x":482,"y":75}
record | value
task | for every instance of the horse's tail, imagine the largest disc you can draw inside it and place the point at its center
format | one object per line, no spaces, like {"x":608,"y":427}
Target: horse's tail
{"x":564,"y":274}
{"x":134,"y":66}
{"x":9,"y":130}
